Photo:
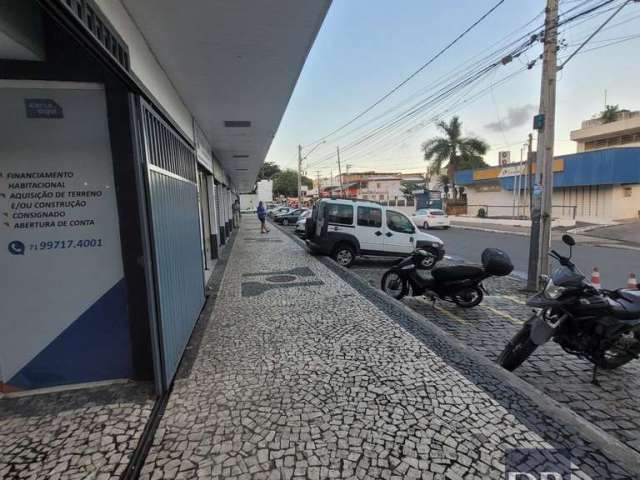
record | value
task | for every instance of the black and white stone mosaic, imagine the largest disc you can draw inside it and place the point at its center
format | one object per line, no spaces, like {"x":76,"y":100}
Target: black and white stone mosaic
{"x":76,"y":434}
{"x":612,"y":406}
{"x":318,"y":381}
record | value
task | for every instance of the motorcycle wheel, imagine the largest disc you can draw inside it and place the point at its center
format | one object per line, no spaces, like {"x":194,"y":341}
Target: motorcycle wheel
{"x":622,"y":352}
{"x":394,"y":285}
{"x":519,"y":348}
{"x":469,"y":298}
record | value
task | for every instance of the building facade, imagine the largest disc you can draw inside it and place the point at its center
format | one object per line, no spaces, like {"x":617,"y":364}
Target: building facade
{"x":122,"y":155}
{"x":598,"y":186}
{"x":595,"y":134}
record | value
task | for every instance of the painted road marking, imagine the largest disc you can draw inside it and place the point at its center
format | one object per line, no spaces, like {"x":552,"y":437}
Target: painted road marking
{"x":504,"y":315}
{"x":513,"y":298}
{"x":450,"y":314}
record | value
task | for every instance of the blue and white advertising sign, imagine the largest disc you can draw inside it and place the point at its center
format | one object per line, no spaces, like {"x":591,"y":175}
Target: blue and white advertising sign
{"x":63,"y":313}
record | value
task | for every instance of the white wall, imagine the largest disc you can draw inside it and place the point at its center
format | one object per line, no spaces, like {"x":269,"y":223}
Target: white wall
{"x":144,"y":64}
{"x":248,"y":201}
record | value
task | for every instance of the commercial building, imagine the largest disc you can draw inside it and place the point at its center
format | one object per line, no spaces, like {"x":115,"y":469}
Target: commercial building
{"x":129,"y":128}
{"x":599,"y":184}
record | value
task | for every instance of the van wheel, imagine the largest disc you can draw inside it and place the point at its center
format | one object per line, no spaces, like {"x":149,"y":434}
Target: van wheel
{"x":426,"y":225}
{"x":345,"y":255}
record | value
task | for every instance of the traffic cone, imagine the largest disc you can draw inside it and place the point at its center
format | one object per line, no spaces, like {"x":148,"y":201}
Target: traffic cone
{"x":632,"y":283}
{"x":595,"y":278}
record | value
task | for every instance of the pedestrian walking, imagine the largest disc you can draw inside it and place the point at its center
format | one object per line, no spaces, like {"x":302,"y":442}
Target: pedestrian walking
{"x":262,"y":216}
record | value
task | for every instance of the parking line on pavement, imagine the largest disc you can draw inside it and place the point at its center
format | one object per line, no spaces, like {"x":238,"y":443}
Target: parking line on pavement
{"x":502,"y":314}
{"x":513,"y":299}
{"x":450,"y":314}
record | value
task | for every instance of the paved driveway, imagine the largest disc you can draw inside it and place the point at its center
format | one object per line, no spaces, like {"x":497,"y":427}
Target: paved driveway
{"x":300,"y":375}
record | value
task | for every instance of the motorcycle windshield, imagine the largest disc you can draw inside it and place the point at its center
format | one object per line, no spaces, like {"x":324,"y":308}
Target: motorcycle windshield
{"x":567,"y":277}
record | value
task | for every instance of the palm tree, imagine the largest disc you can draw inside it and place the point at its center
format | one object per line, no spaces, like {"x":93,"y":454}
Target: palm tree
{"x":610,"y":113}
{"x":454,"y":150}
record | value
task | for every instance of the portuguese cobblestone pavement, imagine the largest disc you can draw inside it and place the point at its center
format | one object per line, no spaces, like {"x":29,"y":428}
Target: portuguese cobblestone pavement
{"x":612,"y":406}
{"x":298,"y":375}
{"x":77,"y":434}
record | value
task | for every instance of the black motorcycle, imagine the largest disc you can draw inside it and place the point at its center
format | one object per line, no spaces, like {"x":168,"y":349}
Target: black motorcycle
{"x":460,"y":284}
{"x":602,"y":326}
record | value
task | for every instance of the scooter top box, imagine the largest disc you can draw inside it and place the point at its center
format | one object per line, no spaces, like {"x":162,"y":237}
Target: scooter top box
{"x":496,"y":262}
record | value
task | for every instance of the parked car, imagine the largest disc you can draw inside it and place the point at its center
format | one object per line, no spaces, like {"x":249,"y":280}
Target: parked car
{"x":344,"y":229}
{"x":302,"y":222}
{"x":278,"y":211}
{"x":430,"y":218}
{"x":289,"y":218}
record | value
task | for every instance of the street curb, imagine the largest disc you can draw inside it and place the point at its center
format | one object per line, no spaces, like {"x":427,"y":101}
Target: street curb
{"x":612,"y":447}
{"x":490,"y":230}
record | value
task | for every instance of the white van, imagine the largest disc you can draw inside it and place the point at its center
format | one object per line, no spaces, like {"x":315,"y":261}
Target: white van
{"x":344,"y":229}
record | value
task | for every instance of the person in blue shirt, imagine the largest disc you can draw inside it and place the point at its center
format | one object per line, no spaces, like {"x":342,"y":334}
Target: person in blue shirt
{"x":262,"y":216}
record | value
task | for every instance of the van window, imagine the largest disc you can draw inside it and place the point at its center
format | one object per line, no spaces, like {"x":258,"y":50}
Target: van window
{"x":342,"y":214}
{"x":399,"y":223}
{"x":369,"y":217}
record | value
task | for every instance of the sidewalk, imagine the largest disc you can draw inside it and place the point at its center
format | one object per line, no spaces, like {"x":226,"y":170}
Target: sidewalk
{"x":299,"y":374}
{"x":89,"y":433}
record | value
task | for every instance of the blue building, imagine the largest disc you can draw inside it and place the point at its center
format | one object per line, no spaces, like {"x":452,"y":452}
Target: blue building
{"x":593,"y":186}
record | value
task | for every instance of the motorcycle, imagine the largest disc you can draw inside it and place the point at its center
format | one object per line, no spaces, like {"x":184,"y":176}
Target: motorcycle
{"x":460,"y":284}
{"x":602,"y":326}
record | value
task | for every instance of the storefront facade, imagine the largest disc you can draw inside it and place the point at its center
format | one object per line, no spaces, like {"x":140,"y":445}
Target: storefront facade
{"x":117,"y":194}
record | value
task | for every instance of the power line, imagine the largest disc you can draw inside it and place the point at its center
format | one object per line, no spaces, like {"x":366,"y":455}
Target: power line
{"x":406,"y":80}
{"x":379,"y":132}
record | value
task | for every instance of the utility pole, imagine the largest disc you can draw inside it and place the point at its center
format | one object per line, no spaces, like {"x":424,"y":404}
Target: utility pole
{"x":318,"y":184}
{"x":299,"y":176}
{"x":340,"y":172}
{"x":530,"y":172}
{"x":545,"y":124}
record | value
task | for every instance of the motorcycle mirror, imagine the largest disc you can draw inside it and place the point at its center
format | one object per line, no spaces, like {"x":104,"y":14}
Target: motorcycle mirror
{"x":568,"y":240}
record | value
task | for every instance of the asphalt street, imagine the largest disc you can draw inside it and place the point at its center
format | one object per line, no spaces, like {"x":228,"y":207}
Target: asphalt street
{"x":614,"y":263}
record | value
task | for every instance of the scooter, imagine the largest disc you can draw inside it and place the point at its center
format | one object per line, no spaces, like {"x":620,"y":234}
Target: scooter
{"x":460,"y":284}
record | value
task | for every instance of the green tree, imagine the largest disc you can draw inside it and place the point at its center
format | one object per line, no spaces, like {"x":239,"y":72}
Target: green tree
{"x":454,"y":151}
{"x":407,"y":188}
{"x":610,"y":113}
{"x":268,"y":171}
{"x":286,"y":183}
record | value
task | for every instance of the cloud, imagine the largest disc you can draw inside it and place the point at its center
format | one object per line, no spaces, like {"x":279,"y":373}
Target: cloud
{"x":516,"y":117}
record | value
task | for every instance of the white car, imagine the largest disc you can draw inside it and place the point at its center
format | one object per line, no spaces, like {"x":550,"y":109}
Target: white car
{"x":430,"y":218}
{"x":345,"y":229}
{"x":301,"y":224}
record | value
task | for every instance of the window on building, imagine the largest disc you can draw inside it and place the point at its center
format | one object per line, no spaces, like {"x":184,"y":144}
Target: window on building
{"x":399,"y":223}
{"x":364,"y":197}
{"x":381,"y":197}
{"x":627,"y":192}
{"x":369,"y":217}
{"x":626,"y":139}
{"x":342,"y":214}
{"x":378,"y":185}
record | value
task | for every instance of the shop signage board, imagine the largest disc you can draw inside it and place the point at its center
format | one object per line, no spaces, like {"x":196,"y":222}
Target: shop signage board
{"x":64,"y":298}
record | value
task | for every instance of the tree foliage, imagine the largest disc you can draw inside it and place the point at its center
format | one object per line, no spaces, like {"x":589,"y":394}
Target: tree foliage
{"x":610,"y":113}
{"x":286,"y":183}
{"x":408,"y":187}
{"x":268,"y":171}
{"x":454,"y":150}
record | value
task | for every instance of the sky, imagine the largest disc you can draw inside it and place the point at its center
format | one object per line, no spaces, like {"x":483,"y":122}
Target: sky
{"x":367,"y":47}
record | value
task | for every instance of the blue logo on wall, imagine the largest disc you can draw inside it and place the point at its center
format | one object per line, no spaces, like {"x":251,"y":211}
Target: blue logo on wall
{"x":16,"y":248}
{"x":42,"y":108}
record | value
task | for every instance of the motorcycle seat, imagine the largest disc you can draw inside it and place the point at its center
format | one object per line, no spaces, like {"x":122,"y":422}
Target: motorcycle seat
{"x":627,"y":305}
{"x":456,"y":273}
